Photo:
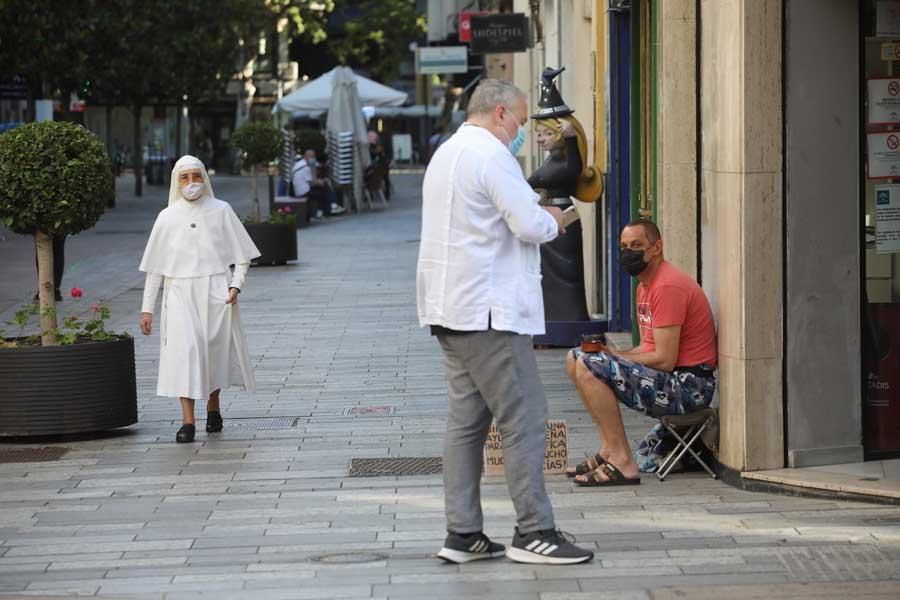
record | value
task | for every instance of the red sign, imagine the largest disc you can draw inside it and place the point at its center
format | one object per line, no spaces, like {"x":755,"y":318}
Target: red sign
{"x":465,"y":25}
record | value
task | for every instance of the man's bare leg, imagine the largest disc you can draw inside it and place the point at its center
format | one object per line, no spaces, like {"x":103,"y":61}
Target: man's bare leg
{"x":603,"y":407}
{"x":572,"y":373}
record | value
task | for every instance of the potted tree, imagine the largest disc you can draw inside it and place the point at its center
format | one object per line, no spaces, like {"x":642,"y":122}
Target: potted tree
{"x":276,"y":238}
{"x":55,"y":179}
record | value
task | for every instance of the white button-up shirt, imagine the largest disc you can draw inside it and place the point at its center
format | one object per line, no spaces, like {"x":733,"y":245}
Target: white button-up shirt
{"x":479,"y":255}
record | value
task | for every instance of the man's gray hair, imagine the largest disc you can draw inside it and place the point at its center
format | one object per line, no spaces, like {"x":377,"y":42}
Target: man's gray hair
{"x":491,"y":93}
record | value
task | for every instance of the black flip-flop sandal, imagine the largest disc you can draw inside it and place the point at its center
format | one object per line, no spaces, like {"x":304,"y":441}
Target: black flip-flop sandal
{"x":586,"y":466}
{"x":615,"y":476}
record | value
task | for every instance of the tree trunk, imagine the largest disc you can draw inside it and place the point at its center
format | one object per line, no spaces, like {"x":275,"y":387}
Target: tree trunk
{"x":254,"y":207}
{"x":109,"y":135}
{"x":190,"y":140}
{"x":31,"y":103}
{"x":180,"y":109}
{"x":138,"y":153}
{"x":44,"y":244}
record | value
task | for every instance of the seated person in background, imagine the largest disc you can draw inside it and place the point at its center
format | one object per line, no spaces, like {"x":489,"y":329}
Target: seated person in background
{"x":671,"y":372}
{"x":320,"y":193}
{"x":376,"y":174}
{"x":301,"y":177}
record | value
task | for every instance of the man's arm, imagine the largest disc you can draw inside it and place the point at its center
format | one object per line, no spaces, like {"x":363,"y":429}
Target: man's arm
{"x":665,"y":357}
{"x":517,"y":202}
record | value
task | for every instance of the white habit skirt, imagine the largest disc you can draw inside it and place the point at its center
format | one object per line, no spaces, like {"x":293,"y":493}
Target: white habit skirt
{"x":202,"y":346}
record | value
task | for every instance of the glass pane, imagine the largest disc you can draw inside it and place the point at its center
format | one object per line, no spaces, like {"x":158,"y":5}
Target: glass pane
{"x":881,"y":318}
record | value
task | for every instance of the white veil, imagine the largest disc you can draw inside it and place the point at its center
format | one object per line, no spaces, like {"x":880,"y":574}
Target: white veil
{"x":182,"y":164}
{"x":199,"y":238}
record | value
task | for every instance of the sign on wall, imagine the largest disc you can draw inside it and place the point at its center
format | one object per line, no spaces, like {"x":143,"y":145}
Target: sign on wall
{"x":883,"y":152}
{"x":401,"y":143}
{"x":887,"y":219}
{"x":442,"y":59}
{"x":887,"y":18}
{"x":500,"y":33}
{"x":884,"y":101}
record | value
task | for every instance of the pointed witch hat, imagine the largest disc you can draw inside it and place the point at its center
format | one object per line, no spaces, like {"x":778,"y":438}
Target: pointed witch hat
{"x":551,"y":103}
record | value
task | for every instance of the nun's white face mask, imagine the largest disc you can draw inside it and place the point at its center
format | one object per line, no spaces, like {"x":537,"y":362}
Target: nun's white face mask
{"x":191,"y":182}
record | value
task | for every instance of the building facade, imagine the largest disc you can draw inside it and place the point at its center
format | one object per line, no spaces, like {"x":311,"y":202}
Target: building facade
{"x":758,"y":134}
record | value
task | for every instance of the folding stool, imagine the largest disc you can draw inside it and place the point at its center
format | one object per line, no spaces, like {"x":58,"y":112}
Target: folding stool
{"x":695,"y":423}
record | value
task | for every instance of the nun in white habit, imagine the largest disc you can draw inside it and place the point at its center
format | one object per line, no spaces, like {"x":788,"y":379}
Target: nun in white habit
{"x":194,"y":242}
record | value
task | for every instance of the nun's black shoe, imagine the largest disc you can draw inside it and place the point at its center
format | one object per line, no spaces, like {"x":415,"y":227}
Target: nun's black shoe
{"x":185,"y":435}
{"x":213,"y":421}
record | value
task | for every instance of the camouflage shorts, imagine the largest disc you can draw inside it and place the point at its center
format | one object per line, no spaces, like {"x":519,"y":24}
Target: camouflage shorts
{"x":652,"y":392}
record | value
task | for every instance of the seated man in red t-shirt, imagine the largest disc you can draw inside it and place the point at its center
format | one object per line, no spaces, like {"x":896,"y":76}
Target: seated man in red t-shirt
{"x":671,"y":372}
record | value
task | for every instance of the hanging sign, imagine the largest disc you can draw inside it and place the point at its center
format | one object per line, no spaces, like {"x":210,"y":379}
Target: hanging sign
{"x":884,"y":101}
{"x":500,"y":33}
{"x":883,"y":155}
{"x":887,"y":219}
{"x":465,"y":25}
{"x":442,"y":59}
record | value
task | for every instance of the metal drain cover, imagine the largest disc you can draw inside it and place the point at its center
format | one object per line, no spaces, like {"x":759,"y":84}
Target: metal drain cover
{"x":369,"y":411}
{"x":349,"y":558}
{"x":261,"y":423}
{"x":26,"y":455}
{"x":382,"y":467}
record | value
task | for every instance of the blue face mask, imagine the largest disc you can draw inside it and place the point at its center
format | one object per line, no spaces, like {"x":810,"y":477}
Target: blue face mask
{"x":517,"y":142}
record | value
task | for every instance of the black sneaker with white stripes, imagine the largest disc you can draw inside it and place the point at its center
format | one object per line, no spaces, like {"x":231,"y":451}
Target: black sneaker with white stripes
{"x":463,"y":548}
{"x":548,"y":547}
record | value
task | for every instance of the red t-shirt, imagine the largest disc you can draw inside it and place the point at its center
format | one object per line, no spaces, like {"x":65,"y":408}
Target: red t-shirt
{"x":673,"y":298}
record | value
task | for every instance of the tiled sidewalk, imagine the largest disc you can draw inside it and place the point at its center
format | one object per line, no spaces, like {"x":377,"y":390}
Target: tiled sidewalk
{"x":272,"y":513}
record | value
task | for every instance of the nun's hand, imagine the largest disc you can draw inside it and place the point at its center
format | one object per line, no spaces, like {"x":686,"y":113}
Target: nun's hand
{"x":146,"y":323}
{"x":232,"y":295}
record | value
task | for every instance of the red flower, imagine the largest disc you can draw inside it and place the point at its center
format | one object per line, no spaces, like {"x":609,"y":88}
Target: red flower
{"x":96,"y":308}
{"x":286,"y":209}
{"x":76,"y":292}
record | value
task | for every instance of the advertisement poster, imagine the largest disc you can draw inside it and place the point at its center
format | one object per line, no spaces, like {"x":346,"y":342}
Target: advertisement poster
{"x":883,"y":155}
{"x":887,"y":219}
{"x":884,"y":101}
{"x":882,"y":405}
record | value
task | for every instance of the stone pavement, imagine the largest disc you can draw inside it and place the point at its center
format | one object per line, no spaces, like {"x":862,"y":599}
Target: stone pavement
{"x":267,"y":509}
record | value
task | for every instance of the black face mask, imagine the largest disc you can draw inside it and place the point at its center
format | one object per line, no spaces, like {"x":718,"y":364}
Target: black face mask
{"x":632,"y":261}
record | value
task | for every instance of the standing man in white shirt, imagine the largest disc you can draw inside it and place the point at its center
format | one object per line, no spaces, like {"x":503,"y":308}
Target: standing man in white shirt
{"x":479,"y":289}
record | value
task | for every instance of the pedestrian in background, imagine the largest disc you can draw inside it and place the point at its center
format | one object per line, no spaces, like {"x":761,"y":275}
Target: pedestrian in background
{"x":479,"y":289}
{"x":193,"y":243}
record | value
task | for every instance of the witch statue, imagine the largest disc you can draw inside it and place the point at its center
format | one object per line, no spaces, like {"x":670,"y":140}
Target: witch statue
{"x":566,"y":173}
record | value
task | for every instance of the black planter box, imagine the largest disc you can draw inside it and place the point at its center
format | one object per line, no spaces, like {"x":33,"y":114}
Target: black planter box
{"x":276,"y":242}
{"x":62,"y":390}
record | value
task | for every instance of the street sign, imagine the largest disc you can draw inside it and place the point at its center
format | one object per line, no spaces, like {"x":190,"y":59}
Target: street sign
{"x":500,"y":33}
{"x":442,"y":59}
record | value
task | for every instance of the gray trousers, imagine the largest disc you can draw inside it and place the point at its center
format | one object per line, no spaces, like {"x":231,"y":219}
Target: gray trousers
{"x":494,"y":374}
